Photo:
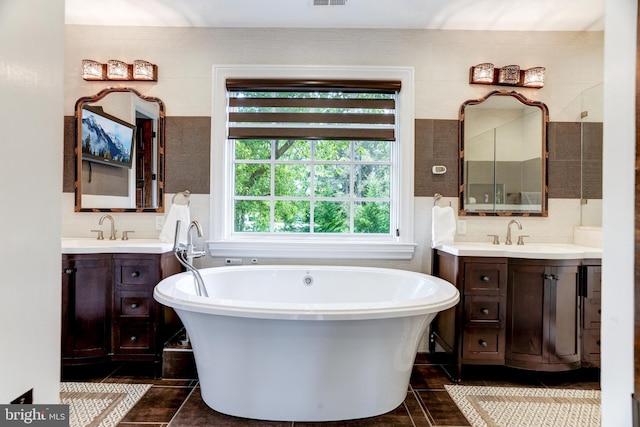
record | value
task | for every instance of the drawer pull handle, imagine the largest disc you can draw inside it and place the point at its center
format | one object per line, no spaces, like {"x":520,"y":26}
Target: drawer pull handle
{"x":484,"y":311}
{"x":135,"y":274}
{"x":483,"y":343}
{"x":484,"y":278}
{"x":133,"y":338}
{"x":135,"y":305}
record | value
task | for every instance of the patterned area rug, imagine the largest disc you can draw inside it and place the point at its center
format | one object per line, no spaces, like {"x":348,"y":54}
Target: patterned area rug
{"x":527,"y":407}
{"x":99,"y":404}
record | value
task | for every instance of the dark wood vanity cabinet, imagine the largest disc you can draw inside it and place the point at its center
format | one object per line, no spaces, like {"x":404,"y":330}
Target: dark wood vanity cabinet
{"x":108,"y":308}
{"x":524,"y":313}
{"x":591,"y":312}
{"x":543,"y":323}
{"x":86,"y":307}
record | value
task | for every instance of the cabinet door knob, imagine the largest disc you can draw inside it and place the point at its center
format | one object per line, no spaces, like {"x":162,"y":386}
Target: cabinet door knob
{"x":551,"y":277}
{"x":133,"y":338}
{"x":484,"y":311}
{"x":483,"y":343}
{"x":69,"y":270}
{"x":135,"y":305}
{"x":135,"y":274}
{"x":484,"y":278}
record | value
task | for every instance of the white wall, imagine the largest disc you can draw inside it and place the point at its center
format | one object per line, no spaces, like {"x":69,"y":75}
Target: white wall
{"x":618,"y":213}
{"x":441,"y":60}
{"x":31,"y":63}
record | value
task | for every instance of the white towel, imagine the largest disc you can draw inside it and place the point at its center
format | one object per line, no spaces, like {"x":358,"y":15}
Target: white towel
{"x":443,"y":225}
{"x":176,"y":212}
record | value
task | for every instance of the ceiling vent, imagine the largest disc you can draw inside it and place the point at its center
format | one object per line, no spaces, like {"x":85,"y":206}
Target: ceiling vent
{"x":329,"y":2}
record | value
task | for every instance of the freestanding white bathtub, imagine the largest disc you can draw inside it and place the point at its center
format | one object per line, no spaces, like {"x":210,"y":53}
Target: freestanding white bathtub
{"x":305,"y":343}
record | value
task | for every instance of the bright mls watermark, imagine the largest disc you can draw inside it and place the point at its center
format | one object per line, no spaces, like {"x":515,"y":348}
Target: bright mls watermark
{"x":34,"y":415}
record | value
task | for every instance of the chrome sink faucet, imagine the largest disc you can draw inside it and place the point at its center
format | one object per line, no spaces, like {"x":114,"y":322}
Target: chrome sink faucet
{"x":112,"y":236}
{"x":513,"y":221}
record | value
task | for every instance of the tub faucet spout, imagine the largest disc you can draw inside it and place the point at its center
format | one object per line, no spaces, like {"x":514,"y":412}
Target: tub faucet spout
{"x":185,"y":254}
{"x":191,"y":253}
{"x":112,"y":236}
{"x":513,"y":221}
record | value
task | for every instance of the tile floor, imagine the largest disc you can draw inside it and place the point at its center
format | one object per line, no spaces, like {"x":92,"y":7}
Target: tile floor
{"x":177,"y":403}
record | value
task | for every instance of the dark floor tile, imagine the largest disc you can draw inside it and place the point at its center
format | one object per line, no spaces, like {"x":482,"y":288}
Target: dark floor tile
{"x":416,"y":411}
{"x":583,"y":379}
{"x":196,"y":413}
{"x":88,"y":373}
{"x":158,"y":405}
{"x":440,"y":408}
{"x":499,"y":376}
{"x":427,"y":377}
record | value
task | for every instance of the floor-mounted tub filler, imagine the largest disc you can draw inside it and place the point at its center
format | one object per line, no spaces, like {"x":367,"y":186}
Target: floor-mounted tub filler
{"x":305,"y":343}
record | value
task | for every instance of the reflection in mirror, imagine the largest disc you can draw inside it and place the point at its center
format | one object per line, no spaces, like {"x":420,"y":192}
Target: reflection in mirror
{"x":119,"y":152}
{"x":503,"y":156}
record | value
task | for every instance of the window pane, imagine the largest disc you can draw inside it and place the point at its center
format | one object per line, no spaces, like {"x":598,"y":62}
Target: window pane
{"x":333,"y":150}
{"x":252,"y":179}
{"x":371,"y":217}
{"x":371,"y":181}
{"x":292,"y":180}
{"x":332,"y":180}
{"x":252,"y":215}
{"x":293,"y":150}
{"x":252,"y":149}
{"x":291,"y":216}
{"x":331,"y":217}
{"x":372,"y":151}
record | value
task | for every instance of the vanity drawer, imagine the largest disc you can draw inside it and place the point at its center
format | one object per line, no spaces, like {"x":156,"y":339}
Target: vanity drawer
{"x":133,"y":306}
{"x":591,"y":314}
{"x":591,"y":345}
{"x":483,"y":311}
{"x":133,"y":336}
{"x":483,"y":344}
{"x":135,"y":272}
{"x":485,"y":278}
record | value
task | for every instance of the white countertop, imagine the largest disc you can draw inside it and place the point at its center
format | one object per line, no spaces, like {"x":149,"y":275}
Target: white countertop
{"x":80,"y":245}
{"x":528,"y":250}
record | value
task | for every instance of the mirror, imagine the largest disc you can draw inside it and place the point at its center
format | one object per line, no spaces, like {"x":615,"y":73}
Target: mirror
{"x":503,"y":156}
{"x":119,"y":152}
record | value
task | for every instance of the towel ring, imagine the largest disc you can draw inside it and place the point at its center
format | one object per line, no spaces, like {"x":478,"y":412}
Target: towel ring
{"x":185,"y":195}
{"x":436,"y":198}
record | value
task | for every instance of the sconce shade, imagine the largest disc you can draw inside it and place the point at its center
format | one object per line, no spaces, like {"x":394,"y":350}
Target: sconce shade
{"x":482,"y":73}
{"x":509,"y":75}
{"x":144,"y":70}
{"x":118,"y":70}
{"x":92,"y":70}
{"x":534,"y":77}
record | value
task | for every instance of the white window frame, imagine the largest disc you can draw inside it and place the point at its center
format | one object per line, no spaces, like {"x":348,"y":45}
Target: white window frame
{"x":223,"y":243}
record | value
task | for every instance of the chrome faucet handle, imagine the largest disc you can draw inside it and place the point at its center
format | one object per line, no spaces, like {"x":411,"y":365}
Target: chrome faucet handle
{"x":521,"y":239}
{"x":100,"y":234}
{"x":496,"y":239}
{"x":125,"y":234}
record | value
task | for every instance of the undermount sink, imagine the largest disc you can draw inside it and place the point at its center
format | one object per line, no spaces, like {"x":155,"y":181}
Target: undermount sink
{"x":80,"y":245}
{"x":528,"y":250}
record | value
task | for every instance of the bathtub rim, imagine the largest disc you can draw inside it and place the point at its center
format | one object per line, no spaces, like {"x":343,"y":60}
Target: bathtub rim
{"x":305,"y":311}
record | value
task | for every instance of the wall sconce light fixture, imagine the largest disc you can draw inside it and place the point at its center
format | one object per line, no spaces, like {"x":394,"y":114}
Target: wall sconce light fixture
{"x":119,"y":70}
{"x":510,"y":75}
{"x":92,"y":70}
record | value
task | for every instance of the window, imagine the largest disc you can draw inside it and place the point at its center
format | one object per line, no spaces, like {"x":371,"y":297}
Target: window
{"x":312,"y":167}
